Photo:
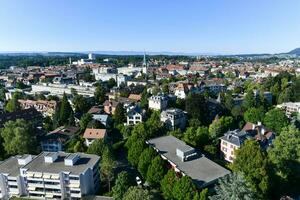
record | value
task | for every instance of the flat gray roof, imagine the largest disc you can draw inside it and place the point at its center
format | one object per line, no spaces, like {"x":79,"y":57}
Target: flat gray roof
{"x":10,"y":166}
{"x":202,"y":170}
{"x":38,"y":164}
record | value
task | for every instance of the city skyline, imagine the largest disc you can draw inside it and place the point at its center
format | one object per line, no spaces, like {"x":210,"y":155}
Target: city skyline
{"x":214,"y":27}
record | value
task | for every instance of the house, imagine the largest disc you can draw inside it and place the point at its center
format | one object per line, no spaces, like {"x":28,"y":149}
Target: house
{"x":134,"y":115}
{"x":182,"y":90}
{"x":173,"y":118}
{"x":135,"y":97}
{"x":91,"y":134}
{"x":233,"y":140}
{"x":56,"y":140}
{"x":50,"y":175}
{"x":110,"y":106}
{"x":188,"y":161}
{"x":158,"y":102}
{"x":47,"y":108}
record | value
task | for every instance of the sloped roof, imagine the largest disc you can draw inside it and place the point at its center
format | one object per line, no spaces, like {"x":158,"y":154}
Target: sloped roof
{"x":93,"y":133}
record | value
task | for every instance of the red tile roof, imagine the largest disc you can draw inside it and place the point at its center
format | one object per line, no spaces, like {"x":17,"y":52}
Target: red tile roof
{"x":91,"y":133}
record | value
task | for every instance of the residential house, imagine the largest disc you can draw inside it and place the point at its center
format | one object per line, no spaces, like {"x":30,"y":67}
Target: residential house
{"x":173,"y":118}
{"x":91,"y":134}
{"x":134,"y":115}
{"x":47,"y":108}
{"x":158,"y":102}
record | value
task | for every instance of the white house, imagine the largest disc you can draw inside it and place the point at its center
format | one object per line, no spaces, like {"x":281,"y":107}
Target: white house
{"x":158,"y":102}
{"x":173,"y":118}
{"x":134,"y":115}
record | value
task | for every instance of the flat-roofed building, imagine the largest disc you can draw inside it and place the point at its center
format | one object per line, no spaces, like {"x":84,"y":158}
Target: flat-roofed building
{"x":188,"y":161}
{"x":55,"y":175}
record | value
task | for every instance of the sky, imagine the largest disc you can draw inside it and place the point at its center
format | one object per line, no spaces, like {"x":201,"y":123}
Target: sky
{"x":190,"y":26}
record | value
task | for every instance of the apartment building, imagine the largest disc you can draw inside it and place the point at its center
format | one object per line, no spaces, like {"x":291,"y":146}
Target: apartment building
{"x":55,"y":175}
{"x":173,"y":118}
{"x":158,"y":102}
{"x":290,"y":108}
{"x":134,"y":115}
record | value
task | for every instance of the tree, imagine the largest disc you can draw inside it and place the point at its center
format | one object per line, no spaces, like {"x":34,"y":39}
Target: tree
{"x":65,"y":112}
{"x":81,"y":105}
{"x":97,"y":147}
{"x":79,"y":146}
{"x":107,"y":167}
{"x":145,"y":160}
{"x":286,"y":95}
{"x":119,"y":115}
{"x":233,"y":187}
{"x":20,"y":85}
{"x":136,"y":193}
{"x":165,"y":88}
{"x":12,"y":105}
{"x":254,"y":115}
{"x":111,"y":83}
{"x":144,"y":99}
{"x":19,"y":137}
{"x":236,"y":112}
{"x":254,"y":170}
{"x":275,"y":119}
{"x":167,"y":184}
{"x":156,"y":171}
{"x":99,"y":94}
{"x":121,"y":185}
{"x":184,"y":189}
{"x":195,"y":106}
{"x":249,"y":100}
{"x":220,"y":126}
{"x":204,"y":194}
{"x":197,"y":137}
{"x":84,"y":120}
{"x":135,"y":151}
{"x":285,"y":157}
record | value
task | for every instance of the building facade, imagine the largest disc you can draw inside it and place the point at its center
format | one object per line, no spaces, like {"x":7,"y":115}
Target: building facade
{"x":173,"y":118}
{"x":158,"y":102}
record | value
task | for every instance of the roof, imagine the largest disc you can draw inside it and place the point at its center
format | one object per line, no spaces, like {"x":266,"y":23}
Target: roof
{"x":235,"y":137}
{"x":93,"y":197}
{"x":10,"y":166}
{"x":202,"y":170}
{"x":95,"y":110}
{"x":135,"y":97}
{"x":94,"y":133}
{"x":85,"y":161}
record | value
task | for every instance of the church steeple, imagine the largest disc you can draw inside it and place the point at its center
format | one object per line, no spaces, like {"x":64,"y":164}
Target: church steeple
{"x":144,"y":60}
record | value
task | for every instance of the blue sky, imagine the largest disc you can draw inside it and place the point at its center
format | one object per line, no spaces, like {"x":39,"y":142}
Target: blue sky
{"x":213,"y":26}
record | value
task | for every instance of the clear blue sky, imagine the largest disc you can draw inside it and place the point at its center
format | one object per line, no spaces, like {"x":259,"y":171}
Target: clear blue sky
{"x":216,"y":26}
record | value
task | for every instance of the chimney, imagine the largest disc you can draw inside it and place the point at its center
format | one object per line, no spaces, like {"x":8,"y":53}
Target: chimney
{"x":258,"y":123}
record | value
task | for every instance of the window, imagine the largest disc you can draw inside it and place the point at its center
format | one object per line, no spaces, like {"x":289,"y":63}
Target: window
{"x":224,"y":143}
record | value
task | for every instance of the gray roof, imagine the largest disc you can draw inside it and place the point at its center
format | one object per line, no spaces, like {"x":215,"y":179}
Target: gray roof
{"x":10,"y":166}
{"x":235,"y":137}
{"x":93,"y":197}
{"x":202,"y":170}
{"x":38,"y":164}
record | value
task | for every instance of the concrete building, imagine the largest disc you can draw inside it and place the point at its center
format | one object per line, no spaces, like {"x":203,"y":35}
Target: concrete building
{"x":290,"y":108}
{"x":188,"y":161}
{"x":173,"y":118}
{"x":134,"y":115}
{"x":47,"y":108}
{"x":50,"y":176}
{"x":158,"y":102}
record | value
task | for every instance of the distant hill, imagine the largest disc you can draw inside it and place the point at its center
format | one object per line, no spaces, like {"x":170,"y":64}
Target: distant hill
{"x":295,"y":52}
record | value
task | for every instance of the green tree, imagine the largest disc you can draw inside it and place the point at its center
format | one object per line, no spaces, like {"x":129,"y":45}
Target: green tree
{"x":144,"y":98}
{"x":184,"y":189}
{"x":107,"y":167}
{"x":135,"y":151}
{"x":165,"y":88}
{"x":121,"y":185}
{"x":195,"y":106}
{"x":99,"y":94}
{"x":285,"y":157}
{"x":275,"y":119}
{"x":79,"y":146}
{"x":111,"y":83}
{"x":254,"y":115}
{"x":249,"y":100}
{"x":119,"y":115}
{"x":197,"y":137}
{"x":97,"y":147}
{"x":84,"y":121}
{"x":204,"y":194}
{"x":167,"y":184}
{"x":66,"y":115}
{"x":19,"y":137}
{"x":81,"y":105}
{"x":254,"y":170}
{"x":136,"y":193}
{"x":156,"y":171}
{"x":286,"y":95}
{"x":220,"y":126}
{"x":233,"y":187}
{"x":12,"y":105}
{"x":145,"y":160}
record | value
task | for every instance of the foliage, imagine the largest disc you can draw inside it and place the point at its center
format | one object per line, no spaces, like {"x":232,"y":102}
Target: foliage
{"x":19,"y":137}
{"x":249,"y":100}
{"x":255,"y":170}
{"x":12,"y":105}
{"x":145,"y":160}
{"x":167,"y":184}
{"x":81,"y":104}
{"x":135,"y":151}
{"x":184,"y":189}
{"x":64,"y":114}
{"x":275,"y":119}
{"x":195,"y":106}
{"x":97,"y":147}
{"x":156,"y":171}
{"x":84,"y":120}
{"x":99,"y":94}
{"x":119,"y":115}
{"x":220,"y":126}
{"x":197,"y":137}
{"x":233,"y":187}
{"x":121,"y":185}
{"x":136,"y":193}
{"x":254,"y":115}
{"x":107,"y":167}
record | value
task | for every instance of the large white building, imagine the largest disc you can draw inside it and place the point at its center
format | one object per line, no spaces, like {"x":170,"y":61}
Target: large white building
{"x":290,"y":108}
{"x":56,"y":175}
{"x":158,"y":102}
{"x":59,"y":90}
